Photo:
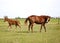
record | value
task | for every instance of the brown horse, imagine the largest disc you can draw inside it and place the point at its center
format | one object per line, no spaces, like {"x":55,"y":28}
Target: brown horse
{"x":38,"y":20}
{"x":12,"y":22}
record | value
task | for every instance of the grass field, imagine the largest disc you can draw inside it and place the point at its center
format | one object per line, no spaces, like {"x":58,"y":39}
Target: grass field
{"x":22,"y":36}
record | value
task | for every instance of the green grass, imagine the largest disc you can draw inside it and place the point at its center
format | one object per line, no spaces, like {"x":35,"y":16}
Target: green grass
{"x":22,"y":36}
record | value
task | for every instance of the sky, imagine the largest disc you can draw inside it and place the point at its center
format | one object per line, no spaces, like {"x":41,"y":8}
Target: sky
{"x":25,"y":8}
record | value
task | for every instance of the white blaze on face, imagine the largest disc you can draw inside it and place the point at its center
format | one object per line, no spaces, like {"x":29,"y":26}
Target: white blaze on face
{"x":48,"y":20}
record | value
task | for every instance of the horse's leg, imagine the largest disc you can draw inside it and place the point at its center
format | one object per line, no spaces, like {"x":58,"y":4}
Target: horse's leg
{"x":9,"y":26}
{"x":32,"y":27}
{"x":19,"y":26}
{"x":44,"y":27}
{"x":16,"y":26}
{"x":41,"y":28}
{"x":29,"y":27}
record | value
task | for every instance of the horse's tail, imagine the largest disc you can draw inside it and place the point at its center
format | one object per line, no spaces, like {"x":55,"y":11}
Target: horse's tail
{"x":26,"y":20}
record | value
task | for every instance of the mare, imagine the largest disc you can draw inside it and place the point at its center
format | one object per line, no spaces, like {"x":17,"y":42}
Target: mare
{"x":43,"y":19}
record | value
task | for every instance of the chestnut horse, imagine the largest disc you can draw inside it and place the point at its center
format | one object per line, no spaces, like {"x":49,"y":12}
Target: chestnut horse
{"x":38,"y":20}
{"x":12,"y":22}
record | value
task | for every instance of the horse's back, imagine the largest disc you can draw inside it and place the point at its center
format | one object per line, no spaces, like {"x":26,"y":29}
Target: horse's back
{"x":35,"y":19}
{"x":38,"y":19}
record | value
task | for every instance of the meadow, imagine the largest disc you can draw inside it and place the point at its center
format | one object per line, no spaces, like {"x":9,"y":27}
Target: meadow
{"x":20,"y":35}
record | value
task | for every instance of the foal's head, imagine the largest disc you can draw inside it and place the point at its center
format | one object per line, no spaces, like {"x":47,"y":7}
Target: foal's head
{"x":5,"y":18}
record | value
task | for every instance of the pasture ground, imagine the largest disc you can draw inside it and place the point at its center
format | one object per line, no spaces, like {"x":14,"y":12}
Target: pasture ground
{"x":22,"y":36}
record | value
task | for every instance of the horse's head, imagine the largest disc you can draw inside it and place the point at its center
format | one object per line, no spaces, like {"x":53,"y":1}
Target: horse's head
{"x":48,"y":19}
{"x":5,"y":18}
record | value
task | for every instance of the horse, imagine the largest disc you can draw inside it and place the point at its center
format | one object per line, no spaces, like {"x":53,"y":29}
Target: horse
{"x":12,"y":22}
{"x":43,"y":19}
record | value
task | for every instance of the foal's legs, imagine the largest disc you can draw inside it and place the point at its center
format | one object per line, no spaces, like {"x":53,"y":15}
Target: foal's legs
{"x":16,"y":26}
{"x":9,"y":26}
{"x":19,"y":26}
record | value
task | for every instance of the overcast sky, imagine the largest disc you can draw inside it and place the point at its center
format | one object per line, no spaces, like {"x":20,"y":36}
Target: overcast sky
{"x":25,"y":8}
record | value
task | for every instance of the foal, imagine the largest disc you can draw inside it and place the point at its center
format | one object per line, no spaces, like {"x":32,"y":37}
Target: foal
{"x":12,"y":22}
{"x":38,"y":20}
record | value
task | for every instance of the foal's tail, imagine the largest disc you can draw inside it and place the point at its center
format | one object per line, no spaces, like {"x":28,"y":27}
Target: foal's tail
{"x":26,"y":20}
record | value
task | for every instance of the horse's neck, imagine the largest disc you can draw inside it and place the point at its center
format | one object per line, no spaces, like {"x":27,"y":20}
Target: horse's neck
{"x":9,"y":20}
